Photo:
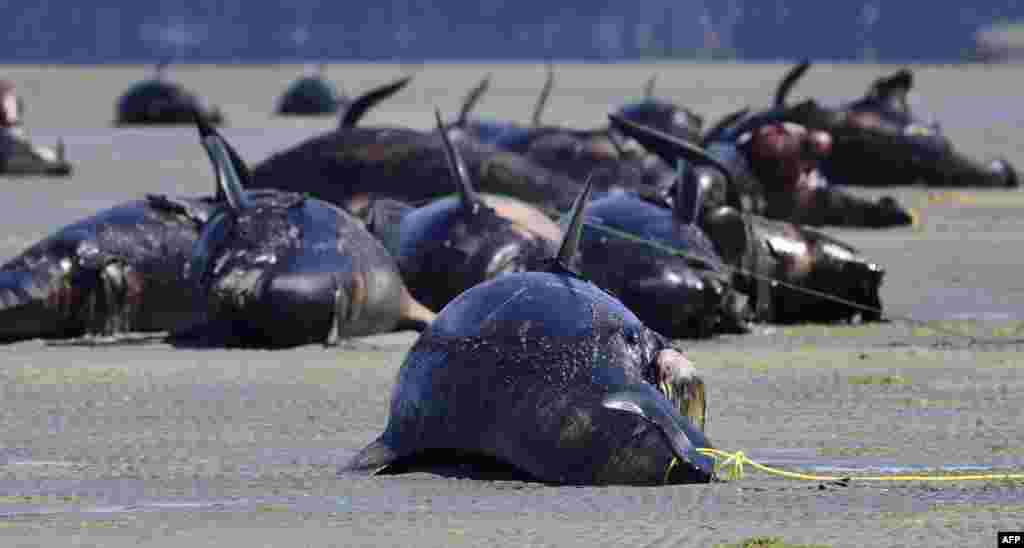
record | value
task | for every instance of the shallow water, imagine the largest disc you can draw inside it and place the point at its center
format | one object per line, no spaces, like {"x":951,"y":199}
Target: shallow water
{"x":809,"y":461}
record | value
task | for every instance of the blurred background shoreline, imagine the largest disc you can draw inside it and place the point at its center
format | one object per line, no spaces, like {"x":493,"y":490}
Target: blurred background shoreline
{"x":417,"y":31}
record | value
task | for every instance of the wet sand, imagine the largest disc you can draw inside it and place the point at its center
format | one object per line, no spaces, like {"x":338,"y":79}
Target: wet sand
{"x":138,"y":444}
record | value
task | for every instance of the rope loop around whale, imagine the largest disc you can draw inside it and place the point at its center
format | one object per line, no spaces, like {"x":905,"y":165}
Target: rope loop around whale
{"x":729,"y":466}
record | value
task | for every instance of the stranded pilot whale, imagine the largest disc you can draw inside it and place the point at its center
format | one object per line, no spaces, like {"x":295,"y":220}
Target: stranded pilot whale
{"x":277,"y":269}
{"x":548,"y":374}
{"x":451,"y":244}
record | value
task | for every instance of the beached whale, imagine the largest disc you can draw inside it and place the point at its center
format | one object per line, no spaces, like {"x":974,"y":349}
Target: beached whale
{"x":310,"y":95}
{"x":550,"y":378}
{"x":274,"y":269}
{"x":158,"y":101}
{"x":790,"y":273}
{"x":878,"y":140}
{"x":451,"y":244}
{"x":351,"y":164}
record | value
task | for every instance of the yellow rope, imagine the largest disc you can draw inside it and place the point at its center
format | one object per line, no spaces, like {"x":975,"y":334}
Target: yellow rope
{"x":671,"y":465}
{"x":733,"y":463}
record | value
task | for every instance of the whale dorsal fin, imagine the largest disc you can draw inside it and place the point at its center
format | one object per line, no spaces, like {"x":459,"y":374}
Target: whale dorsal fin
{"x":542,"y":99}
{"x":574,"y":232}
{"x":232,"y":173}
{"x":471,"y":200}
{"x":892,"y":90}
{"x":649,"y":86}
{"x":788,"y":81}
{"x":689,"y":194}
{"x":668,"y":147}
{"x":471,"y":100}
{"x":368,"y":100}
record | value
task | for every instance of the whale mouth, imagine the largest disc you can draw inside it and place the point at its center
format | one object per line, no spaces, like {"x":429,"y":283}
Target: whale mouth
{"x":682,"y":387}
{"x":689,"y":400}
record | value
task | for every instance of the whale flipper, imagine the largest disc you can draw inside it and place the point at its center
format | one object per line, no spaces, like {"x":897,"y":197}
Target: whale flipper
{"x":682,"y":436}
{"x":373,"y":458}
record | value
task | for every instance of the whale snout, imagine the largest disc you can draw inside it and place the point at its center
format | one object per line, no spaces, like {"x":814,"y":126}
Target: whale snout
{"x":1003,"y":171}
{"x":679,"y":382}
{"x":32,"y":305}
{"x":889,"y":212}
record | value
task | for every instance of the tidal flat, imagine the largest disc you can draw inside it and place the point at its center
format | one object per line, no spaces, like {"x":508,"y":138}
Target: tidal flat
{"x":127,"y":444}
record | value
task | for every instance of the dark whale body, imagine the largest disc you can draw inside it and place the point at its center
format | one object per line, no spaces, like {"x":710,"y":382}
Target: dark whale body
{"x":291,"y":271}
{"x":311,"y":95}
{"x":274,"y":269}
{"x":451,"y":244}
{"x":600,"y":155}
{"x":550,"y":376}
{"x":158,"y":101}
{"x":121,"y":270}
{"x":350,"y":164}
{"x":663,"y":115}
{"x":763,"y":252}
{"x":879,"y":141}
{"x":347,"y":166}
{"x":678,"y":296}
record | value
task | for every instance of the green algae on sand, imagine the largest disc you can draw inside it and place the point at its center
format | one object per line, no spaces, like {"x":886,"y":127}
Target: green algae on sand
{"x":878,"y":379}
{"x":768,"y":542}
{"x":70,"y":375}
{"x":948,"y":515}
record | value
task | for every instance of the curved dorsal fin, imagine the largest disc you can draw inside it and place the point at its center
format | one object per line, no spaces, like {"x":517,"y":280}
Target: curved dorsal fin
{"x":368,"y":100}
{"x":689,"y":194}
{"x":789,"y":80}
{"x":472,"y":98}
{"x":668,"y":147}
{"x":471,"y":200}
{"x":545,"y":92}
{"x":573,"y":233}
{"x":722,"y":124}
{"x":649,"y":86}
{"x":232,"y":173}
{"x":892,"y":90}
